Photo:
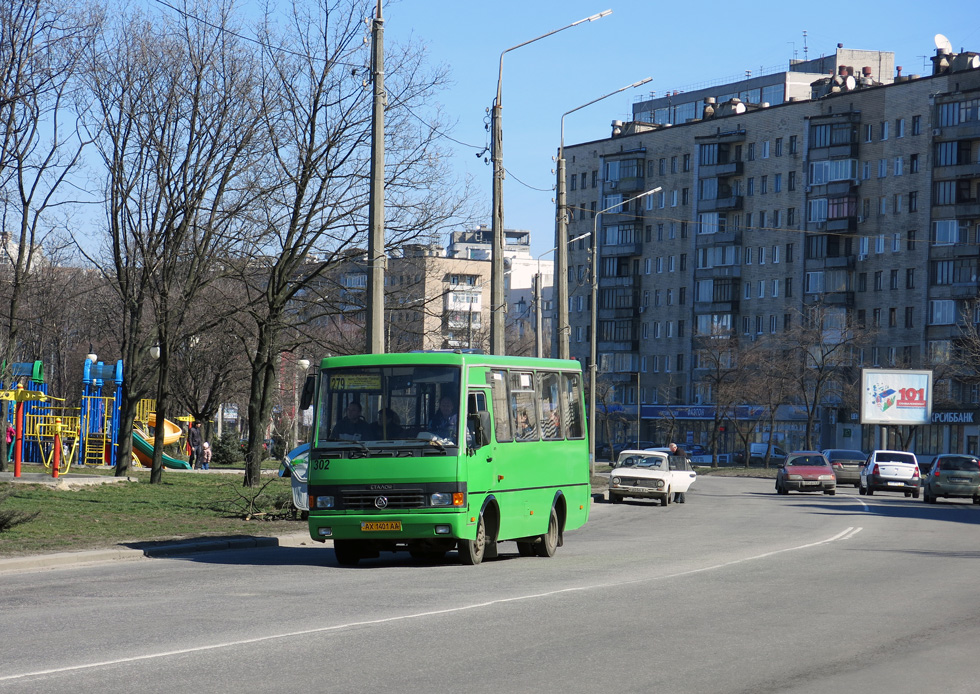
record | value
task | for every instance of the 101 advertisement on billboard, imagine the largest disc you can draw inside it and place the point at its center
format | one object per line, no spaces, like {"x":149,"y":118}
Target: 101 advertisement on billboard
{"x":896,"y":396}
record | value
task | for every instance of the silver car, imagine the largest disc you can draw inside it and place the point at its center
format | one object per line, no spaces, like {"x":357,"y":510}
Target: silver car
{"x":952,"y":475}
{"x":847,"y":464}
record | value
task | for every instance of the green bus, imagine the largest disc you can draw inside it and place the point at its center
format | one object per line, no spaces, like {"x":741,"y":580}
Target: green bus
{"x":394,"y":467}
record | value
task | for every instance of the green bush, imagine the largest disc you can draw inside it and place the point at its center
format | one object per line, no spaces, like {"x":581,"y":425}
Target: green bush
{"x":227,"y":450}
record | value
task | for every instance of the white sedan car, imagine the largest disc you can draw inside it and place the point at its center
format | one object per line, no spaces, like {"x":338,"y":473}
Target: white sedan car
{"x":651,"y":475}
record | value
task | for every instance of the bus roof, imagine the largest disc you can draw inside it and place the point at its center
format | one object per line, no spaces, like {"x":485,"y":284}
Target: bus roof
{"x":449,"y":359}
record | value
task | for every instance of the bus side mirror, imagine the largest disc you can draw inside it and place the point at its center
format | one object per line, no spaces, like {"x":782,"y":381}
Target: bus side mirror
{"x":480,"y":423}
{"x":309,"y":390}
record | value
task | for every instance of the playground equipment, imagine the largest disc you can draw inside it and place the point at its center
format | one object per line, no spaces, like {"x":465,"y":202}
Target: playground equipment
{"x":146,"y":419}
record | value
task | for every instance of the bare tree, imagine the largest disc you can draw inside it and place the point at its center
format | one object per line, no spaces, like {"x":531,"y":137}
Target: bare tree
{"x":718,"y":377}
{"x":317,"y":120}
{"x":174,"y":118}
{"x":41,"y":42}
{"x":822,"y":350}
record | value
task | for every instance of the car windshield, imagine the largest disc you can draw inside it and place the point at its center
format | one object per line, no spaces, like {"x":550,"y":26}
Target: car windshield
{"x":808,"y":460}
{"x":644,"y":461}
{"x":959,"y":463}
{"x":365,"y":406}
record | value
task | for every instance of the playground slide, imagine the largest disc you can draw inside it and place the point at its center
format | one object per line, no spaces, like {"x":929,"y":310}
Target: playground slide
{"x":143,"y":450}
{"x":171,"y":431}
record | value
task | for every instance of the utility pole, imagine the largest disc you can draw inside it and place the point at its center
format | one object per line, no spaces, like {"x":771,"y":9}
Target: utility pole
{"x":376,"y":207}
{"x":498,"y":303}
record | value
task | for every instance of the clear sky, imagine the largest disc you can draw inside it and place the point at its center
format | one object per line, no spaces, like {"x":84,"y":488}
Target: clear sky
{"x":680,"y":45}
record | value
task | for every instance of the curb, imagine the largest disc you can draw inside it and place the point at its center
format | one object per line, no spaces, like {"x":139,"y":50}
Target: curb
{"x":155,"y":551}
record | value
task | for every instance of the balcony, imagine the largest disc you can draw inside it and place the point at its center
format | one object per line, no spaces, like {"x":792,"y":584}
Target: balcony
{"x":721,"y":238}
{"x":843,"y":224}
{"x":959,"y":171}
{"x":620,"y":346}
{"x":702,"y":307}
{"x":966,"y":250}
{"x":943,"y":332}
{"x":717,"y":272}
{"x":834,"y":152}
{"x":845,"y":299}
{"x":732,"y":168}
{"x":968,"y":130}
{"x":970,"y":208}
{"x":631,"y":184}
{"x":733,"y":202}
{"x":845,"y":261}
{"x":621,"y":249}
{"x":625,"y":281}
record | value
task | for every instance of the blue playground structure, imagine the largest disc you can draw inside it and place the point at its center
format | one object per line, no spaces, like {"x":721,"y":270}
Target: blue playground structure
{"x":99,"y":429}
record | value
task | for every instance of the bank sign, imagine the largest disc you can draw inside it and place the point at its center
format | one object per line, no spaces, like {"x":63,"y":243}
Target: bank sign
{"x":896,"y":396}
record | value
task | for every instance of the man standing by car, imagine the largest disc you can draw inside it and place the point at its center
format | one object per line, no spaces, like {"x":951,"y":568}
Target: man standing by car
{"x":677,"y":450}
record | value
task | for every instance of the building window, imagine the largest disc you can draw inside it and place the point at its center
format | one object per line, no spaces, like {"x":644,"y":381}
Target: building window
{"x":910,"y":278}
{"x":884,"y":130}
{"x":673,"y":165}
{"x":899,"y":127}
{"x":916,"y":125}
{"x":913,"y":163}
{"x":788,"y":288}
{"x":687,"y":162}
{"x":791,"y":181}
{"x":913,"y":201}
{"x":777,"y":183}
{"x":765,"y":149}
{"x":750,"y":155}
{"x":909,"y":312}
{"x":878,"y":279}
{"x":763,"y":185}
{"x":779,"y":147}
{"x":899,"y":167}
{"x":793,"y":144}
{"x":893,"y":279}
{"x":869,"y":132}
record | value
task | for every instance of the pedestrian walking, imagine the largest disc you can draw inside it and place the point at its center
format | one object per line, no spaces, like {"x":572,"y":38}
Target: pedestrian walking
{"x":195,"y":441}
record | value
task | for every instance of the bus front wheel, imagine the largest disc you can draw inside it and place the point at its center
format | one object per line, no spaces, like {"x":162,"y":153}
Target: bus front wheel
{"x":471,"y":551}
{"x":547,"y":545}
{"x":347,"y":552}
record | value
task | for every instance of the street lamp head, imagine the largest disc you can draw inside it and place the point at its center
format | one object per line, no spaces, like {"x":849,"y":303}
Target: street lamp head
{"x":155,"y":351}
{"x":602,"y":14}
{"x":303,"y":364}
{"x":92,"y":356}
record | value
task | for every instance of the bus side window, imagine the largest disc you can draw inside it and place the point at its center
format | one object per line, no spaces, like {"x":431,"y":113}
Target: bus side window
{"x":572,"y":402}
{"x":522,"y":406}
{"x":549,"y":398}
{"x":501,"y":416}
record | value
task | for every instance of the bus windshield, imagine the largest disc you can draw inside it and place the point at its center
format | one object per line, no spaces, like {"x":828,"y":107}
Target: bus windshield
{"x":372,"y":405}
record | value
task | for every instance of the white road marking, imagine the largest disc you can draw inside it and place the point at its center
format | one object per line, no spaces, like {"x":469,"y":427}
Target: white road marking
{"x":852,"y":534}
{"x":416,"y":615}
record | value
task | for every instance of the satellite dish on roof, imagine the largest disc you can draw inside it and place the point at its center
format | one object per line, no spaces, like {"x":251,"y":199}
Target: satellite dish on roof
{"x":943,"y":44}
{"x":850,"y":82}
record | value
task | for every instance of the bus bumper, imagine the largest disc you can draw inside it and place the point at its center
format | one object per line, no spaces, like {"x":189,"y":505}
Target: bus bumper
{"x":392,"y":527}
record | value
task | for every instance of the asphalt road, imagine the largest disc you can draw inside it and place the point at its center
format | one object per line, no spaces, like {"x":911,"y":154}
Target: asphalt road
{"x":738,"y":590}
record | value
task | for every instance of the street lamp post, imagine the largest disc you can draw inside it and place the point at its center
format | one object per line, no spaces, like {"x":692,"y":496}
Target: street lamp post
{"x":562,"y":328}
{"x":594,"y":316}
{"x":556,"y":280}
{"x":497,"y":301}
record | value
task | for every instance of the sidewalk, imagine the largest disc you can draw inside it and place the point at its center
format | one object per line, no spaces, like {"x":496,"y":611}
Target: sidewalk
{"x":153,"y":550}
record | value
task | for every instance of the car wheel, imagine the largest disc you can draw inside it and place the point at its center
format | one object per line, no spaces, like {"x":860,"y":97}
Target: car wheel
{"x":908,"y":494}
{"x":548,"y":544}
{"x":615,"y":498}
{"x":830,"y":492}
{"x":665,"y":499}
{"x":915,"y":494}
{"x":928,"y":498}
{"x":347,"y":552}
{"x":869,"y":491}
{"x":861,"y":490}
{"x":471,"y":551}
{"x":976,"y":499}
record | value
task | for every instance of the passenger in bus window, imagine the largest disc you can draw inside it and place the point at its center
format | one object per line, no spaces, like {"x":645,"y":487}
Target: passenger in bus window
{"x":445,"y":423}
{"x":389,"y":425}
{"x":552,"y":426}
{"x":525,"y":427}
{"x":352,"y":427}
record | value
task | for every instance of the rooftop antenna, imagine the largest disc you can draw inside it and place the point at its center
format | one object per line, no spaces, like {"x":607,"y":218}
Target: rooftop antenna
{"x":793,"y":44}
{"x":805,"y":49}
{"x":925,"y":60}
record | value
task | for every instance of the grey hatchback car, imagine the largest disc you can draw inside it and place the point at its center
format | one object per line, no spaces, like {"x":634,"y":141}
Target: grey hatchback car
{"x":847,"y":464}
{"x":952,"y":475}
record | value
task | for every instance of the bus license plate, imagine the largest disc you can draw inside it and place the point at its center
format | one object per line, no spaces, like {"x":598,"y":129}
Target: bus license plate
{"x":373,"y":526}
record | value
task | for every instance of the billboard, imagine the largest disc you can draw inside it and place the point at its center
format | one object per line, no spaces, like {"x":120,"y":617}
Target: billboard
{"x":896,"y":396}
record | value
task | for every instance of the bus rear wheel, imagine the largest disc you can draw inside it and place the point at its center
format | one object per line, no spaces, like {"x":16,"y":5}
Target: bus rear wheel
{"x":348,"y":552}
{"x":471,"y":551}
{"x":547,"y":545}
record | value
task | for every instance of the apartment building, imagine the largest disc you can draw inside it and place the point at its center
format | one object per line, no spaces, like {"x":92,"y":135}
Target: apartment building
{"x":838,"y":183}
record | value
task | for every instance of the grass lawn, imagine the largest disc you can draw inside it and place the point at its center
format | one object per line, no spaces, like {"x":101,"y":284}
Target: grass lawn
{"x":184,"y":505}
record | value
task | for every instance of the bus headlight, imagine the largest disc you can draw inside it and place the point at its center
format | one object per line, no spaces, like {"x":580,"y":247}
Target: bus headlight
{"x":322,"y":501}
{"x":441,"y":499}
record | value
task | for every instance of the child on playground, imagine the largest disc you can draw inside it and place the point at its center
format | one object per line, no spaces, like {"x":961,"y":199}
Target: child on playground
{"x":206,"y":456}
